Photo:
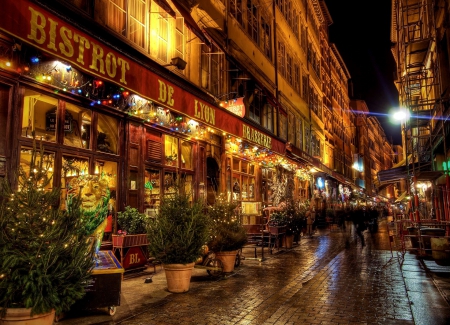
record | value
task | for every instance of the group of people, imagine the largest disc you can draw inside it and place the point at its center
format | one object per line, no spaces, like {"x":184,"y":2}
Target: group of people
{"x":361,"y":218}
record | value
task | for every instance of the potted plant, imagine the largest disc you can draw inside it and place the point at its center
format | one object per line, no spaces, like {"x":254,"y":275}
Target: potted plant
{"x":176,"y":237}
{"x":133,"y":228}
{"x":45,"y":257}
{"x":227,"y":233}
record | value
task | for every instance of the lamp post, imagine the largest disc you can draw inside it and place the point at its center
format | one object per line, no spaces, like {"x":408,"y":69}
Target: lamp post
{"x":402,"y":116}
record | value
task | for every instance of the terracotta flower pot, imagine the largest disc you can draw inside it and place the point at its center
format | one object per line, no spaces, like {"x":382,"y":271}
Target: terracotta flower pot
{"x":21,"y":316}
{"x":288,"y":241}
{"x":228,"y":259}
{"x":178,"y":277}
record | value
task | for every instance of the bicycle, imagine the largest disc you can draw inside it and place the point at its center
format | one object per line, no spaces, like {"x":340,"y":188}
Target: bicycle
{"x":212,"y":265}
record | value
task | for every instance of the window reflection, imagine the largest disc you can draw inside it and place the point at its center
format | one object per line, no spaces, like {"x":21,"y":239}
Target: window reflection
{"x":186,"y":155}
{"x":47,"y":164}
{"x":39,"y":115}
{"x":107,"y":134}
{"x":79,"y":133}
{"x":171,"y":150}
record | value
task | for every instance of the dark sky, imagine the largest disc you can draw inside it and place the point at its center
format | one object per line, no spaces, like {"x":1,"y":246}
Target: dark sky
{"x":361,"y":32}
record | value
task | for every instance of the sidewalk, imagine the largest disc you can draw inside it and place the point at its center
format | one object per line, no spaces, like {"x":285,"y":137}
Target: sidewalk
{"x":319,"y":281}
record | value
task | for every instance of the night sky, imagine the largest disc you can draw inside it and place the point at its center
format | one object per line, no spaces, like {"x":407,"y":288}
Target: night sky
{"x":361,"y":32}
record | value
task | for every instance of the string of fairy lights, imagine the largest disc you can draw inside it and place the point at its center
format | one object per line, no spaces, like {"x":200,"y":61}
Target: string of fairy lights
{"x":65,"y":78}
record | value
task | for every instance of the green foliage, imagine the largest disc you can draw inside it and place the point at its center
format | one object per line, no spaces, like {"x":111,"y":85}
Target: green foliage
{"x":227,"y":232}
{"x":45,"y":257}
{"x":132,"y":221}
{"x":292,"y":216}
{"x":179,"y":231}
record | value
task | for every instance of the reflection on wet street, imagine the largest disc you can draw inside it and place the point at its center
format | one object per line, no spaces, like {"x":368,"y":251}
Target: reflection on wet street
{"x":327,"y":279}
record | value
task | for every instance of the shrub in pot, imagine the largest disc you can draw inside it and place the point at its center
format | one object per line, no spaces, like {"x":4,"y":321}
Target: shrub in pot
{"x":227,"y":233}
{"x":133,"y":228}
{"x":45,"y":257}
{"x":176,"y":236}
{"x":132,"y":221}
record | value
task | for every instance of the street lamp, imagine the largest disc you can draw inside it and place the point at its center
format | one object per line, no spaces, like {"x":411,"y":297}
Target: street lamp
{"x":402,"y":116}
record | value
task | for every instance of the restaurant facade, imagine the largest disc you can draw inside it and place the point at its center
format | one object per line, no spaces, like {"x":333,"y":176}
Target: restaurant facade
{"x":138,"y":130}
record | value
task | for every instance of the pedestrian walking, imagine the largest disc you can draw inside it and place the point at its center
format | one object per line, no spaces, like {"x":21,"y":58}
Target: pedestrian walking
{"x":360,"y":225}
{"x":310,"y":217}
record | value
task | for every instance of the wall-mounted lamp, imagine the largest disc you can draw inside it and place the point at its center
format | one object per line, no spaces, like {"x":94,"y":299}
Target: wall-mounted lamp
{"x":177,"y":62}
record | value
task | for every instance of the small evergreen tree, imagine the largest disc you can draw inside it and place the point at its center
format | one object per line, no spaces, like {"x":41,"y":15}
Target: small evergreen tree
{"x":180,"y":229}
{"x":227,"y":232}
{"x":45,"y":258}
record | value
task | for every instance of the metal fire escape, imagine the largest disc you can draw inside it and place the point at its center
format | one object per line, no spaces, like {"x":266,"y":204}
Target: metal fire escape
{"x":419,"y":92}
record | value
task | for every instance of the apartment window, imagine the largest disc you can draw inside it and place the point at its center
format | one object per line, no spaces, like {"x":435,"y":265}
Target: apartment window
{"x":299,"y":134}
{"x":315,"y":146}
{"x":179,"y":37}
{"x":252,"y":20}
{"x":265,"y":38}
{"x":163,"y":37}
{"x":295,"y":23}
{"x":289,"y":75}
{"x":137,"y":13}
{"x":291,"y":128}
{"x":211,"y":69}
{"x":297,"y":78}
{"x":282,"y":59}
{"x":128,"y":18}
{"x":305,"y":88}
{"x":255,"y":107}
{"x":303,"y":38}
{"x":236,"y":10}
{"x":267,"y":117}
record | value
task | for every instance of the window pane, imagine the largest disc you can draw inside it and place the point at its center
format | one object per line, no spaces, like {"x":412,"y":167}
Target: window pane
{"x":187,"y":155}
{"x":163,"y":38}
{"x":112,"y":13}
{"x":39,"y":115}
{"x":137,"y":22}
{"x":47,"y":164}
{"x":79,"y":133}
{"x":107,"y":134}
{"x":236,"y":164}
{"x":152,"y":190}
{"x":108,"y":171}
{"x":72,"y":168}
{"x":171,"y":150}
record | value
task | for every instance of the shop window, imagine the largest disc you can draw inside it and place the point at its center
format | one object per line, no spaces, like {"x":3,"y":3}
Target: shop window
{"x":171,"y":150}
{"x":152,"y":191}
{"x":108,"y":170}
{"x":243,"y":180}
{"x":72,"y":167}
{"x":170,"y":183}
{"x":39,"y":115}
{"x":77,"y":133}
{"x":187,"y":160}
{"x":47,"y":165}
{"x":266,"y":191}
{"x":107,"y":134}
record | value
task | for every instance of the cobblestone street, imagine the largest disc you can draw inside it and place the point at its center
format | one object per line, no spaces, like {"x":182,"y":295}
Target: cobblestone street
{"x":320,"y":281}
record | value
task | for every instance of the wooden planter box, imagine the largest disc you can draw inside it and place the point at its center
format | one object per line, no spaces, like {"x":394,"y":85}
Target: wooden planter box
{"x":129,"y":240}
{"x":277,"y":230}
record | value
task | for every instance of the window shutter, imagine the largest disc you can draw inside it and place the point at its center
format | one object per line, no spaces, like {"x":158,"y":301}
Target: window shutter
{"x":154,"y":151}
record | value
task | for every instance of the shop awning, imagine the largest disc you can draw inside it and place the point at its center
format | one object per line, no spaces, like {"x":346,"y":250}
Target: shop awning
{"x":396,"y":174}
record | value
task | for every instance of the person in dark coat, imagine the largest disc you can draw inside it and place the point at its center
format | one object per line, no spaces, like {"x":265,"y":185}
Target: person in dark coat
{"x":360,"y":224}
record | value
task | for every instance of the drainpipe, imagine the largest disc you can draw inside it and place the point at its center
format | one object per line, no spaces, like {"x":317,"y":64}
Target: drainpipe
{"x":274,"y":8}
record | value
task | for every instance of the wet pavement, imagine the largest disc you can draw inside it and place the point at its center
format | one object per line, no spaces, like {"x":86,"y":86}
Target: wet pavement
{"x":327,"y":279}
